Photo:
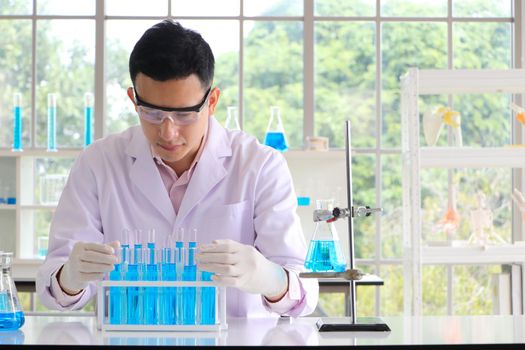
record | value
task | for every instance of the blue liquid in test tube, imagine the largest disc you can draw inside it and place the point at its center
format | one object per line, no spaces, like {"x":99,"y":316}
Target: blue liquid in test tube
{"x":190,"y":274}
{"x":88,"y":118}
{"x":17,"y":122}
{"x":135,"y":294}
{"x":115,"y":296}
{"x":51,"y":122}
{"x":152,"y":274}
{"x":207,"y":300}
{"x":168,"y":294}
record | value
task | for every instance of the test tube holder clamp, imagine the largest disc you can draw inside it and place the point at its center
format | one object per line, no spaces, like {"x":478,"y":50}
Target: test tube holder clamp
{"x":352,"y":323}
{"x":102,"y":307}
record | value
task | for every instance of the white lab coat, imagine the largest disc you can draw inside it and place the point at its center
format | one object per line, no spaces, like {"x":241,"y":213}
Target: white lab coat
{"x":239,"y":190}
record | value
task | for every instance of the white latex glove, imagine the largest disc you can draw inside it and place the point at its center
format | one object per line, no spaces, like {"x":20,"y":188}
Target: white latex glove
{"x":518,"y":198}
{"x":242,"y":266}
{"x":87,"y":262}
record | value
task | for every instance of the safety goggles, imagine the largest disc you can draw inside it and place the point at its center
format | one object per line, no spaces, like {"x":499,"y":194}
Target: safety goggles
{"x":180,"y":116}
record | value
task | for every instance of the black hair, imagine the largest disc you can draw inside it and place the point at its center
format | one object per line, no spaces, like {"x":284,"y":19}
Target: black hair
{"x":169,"y":51}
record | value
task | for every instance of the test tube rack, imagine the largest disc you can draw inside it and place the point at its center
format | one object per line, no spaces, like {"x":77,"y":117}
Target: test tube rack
{"x":103,"y":323}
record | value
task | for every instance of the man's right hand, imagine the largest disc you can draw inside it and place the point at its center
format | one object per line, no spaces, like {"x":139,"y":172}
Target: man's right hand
{"x":87,"y":262}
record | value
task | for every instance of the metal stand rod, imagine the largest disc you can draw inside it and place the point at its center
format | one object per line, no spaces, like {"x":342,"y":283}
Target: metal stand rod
{"x":351,"y":296}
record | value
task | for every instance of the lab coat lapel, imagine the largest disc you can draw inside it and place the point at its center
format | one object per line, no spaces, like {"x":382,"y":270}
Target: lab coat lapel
{"x":145,"y":175}
{"x":209,"y":170}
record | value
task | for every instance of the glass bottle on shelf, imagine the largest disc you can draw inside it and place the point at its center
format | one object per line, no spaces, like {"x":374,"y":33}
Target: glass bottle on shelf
{"x":275,"y":136}
{"x":11,"y":314}
{"x":324,"y":252}
{"x":232,"y":119}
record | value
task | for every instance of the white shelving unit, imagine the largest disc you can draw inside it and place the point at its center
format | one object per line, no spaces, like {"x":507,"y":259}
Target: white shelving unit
{"x":414,"y":157}
{"x":17,"y":170}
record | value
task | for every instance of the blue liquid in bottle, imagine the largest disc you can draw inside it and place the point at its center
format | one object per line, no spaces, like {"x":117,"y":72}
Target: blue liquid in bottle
{"x":88,"y":132}
{"x":276,"y":140}
{"x":10,"y":321}
{"x":51,"y":122}
{"x":207,"y":301}
{"x":324,"y":256}
{"x":17,"y":128}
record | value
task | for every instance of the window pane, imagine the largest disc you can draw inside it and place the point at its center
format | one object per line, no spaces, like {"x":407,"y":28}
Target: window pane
{"x":136,"y":8}
{"x":345,"y":8}
{"x":478,"y":193}
{"x":434,"y":290}
{"x":473,"y":289}
{"x":345,"y":82}
{"x":273,"y":76}
{"x":366,"y":295}
{"x":392,"y":203}
{"x":273,"y":8}
{"x":66,"y":7}
{"x":476,"y":8}
{"x":363,"y":183}
{"x":392,"y":291}
{"x":65,"y":66}
{"x":223,"y":37}
{"x":482,"y":45}
{"x":121,"y":36}
{"x":15,"y":77}
{"x":405,"y":45}
{"x":205,"y":8}
{"x":414,"y":8}
{"x":19,"y":7}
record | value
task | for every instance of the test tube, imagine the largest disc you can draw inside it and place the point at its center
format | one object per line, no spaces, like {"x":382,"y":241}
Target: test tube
{"x":117,"y":295}
{"x":190,"y":274}
{"x":151,"y":310}
{"x":88,"y":118}
{"x":51,"y":122}
{"x":17,"y":122}
{"x":179,"y":275}
{"x":134,"y":273}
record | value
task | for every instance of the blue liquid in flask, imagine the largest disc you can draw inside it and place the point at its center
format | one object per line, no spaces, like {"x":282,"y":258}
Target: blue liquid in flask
{"x":325,"y":255}
{"x":276,"y":140}
{"x":10,"y":321}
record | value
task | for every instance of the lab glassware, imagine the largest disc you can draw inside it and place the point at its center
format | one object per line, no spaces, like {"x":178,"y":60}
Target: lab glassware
{"x":51,"y":122}
{"x":275,"y":136}
{"x":232,"y":119}
{"x":151,"y":309}
{"x":42,"y":243}
{"x":117,"y":295}
{"x":11,"y":314}
{"x":189,"y":293}
{"x":88,"y":118}
{"x":324,"y":251}
{"x":17,"y":122}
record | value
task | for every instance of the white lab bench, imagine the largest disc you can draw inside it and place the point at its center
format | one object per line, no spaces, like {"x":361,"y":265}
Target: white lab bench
{"x":431,"y":330}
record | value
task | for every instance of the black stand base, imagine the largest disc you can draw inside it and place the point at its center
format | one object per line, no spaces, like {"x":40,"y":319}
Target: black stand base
{"x":344,"y":324}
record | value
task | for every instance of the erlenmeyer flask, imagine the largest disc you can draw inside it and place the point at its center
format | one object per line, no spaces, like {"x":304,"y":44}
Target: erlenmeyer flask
{"x":324,"y":252}
{"x":275,"y":136}
{"x":11,"y":315}
{"x":232,"y":120}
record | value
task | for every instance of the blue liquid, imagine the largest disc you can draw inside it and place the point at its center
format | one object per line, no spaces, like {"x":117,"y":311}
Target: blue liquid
{"x":11,"y":337}
{"x":51,"y":128}
{"x":134,"y":296}
{"x":325,"y":256}
{"x":168,"y":295}
{"x":303,"y":201}
{"x":17,"y":129}
{"x":42,"y":252}
{"x":189,"y":295}
{"x":10,"y":321}
{"x":207,"y":301}
{"x":115,"y":298}
{"x":276,"y":140}
{"x":88,"y":133}
{"x":11,"y":200}
{"x":151,"y":312}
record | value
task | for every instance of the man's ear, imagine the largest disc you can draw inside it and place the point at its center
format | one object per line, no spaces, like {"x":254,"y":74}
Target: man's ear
{"x":131,"y":96}
{"x":214,"y":99}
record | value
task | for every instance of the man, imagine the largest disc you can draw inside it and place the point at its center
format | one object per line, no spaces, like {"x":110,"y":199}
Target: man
{"x":181,"y":169}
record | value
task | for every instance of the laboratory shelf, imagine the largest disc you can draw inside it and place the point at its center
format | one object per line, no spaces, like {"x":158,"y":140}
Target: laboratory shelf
{"x":37,"y":207}
{"x":7,"y":207}
{"x":41,"y":153}
{"x":470,"y":157}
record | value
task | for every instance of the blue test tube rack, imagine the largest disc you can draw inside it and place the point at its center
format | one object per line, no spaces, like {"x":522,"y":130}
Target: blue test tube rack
{"x":160,"y":289}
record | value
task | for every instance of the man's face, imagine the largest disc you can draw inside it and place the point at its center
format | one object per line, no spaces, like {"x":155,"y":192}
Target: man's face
{"x":175,"y":143}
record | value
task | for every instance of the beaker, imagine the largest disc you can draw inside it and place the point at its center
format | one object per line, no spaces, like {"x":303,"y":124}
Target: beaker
{"x":232,"y":120}
{"x":11,"y":314}
{"x":275,"y":136}
{"x":324,"y":251}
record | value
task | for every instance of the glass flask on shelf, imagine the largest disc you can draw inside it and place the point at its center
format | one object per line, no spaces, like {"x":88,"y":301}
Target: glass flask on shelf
{"x":324,"y":252}
{"x":232,"y":119}
{"x":11,"y":314}
{"x":275,"y":136}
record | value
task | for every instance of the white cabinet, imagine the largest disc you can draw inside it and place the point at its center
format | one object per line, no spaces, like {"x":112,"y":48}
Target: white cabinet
{"x":35,"y":178}
{"x":417,"y":83}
